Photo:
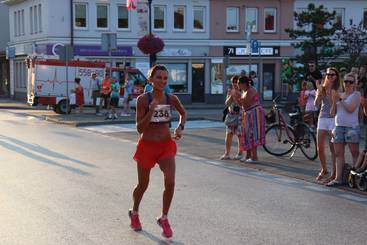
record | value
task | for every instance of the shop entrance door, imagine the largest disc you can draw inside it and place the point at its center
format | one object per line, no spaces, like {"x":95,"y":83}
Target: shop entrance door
{"x":198,"y":82}
{"x":268,"y":81}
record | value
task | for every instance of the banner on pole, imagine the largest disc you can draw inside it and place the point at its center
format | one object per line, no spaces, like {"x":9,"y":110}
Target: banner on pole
{"x":130,"y":4}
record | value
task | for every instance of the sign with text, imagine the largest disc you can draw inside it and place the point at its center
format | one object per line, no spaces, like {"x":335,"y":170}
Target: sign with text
{"x":244,"y":51}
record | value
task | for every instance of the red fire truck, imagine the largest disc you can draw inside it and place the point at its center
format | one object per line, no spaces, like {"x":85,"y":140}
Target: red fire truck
{"x":51,"y":82}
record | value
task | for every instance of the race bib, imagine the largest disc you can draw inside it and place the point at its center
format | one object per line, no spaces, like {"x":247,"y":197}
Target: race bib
{"x":162,"y":113}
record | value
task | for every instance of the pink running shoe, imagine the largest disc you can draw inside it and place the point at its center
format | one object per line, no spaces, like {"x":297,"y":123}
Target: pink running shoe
{"x":167,"y":231}
{"x":135,"y":222}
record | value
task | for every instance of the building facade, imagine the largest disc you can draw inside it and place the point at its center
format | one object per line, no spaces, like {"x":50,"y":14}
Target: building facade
{"x":251,"y":37}
{"x":4,"y":39}
{"x":348,"y":13}
{"x":38,"y":27}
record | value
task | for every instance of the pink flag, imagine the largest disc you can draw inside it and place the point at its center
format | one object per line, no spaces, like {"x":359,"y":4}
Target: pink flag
{"x":130,"y":4}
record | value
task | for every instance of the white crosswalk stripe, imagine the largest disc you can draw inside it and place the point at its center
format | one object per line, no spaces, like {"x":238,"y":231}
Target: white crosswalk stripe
{"x":104,"y":129}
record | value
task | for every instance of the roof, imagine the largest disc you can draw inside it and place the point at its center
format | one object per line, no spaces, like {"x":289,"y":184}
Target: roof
{"x":12,"y":2}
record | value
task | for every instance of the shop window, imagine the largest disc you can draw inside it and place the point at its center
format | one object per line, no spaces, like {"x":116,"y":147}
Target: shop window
{"x":102,"y":16}
{"x":81,"y":17}
{"x":251,"y":18}
{"x":270,"y":20}
{"x":199,"y":19}
{"x":159,"y":18}
{"x":179,"y":18}
{"x":238,"y":69}
{"x":339,"y":18}
{"x":216,"y":79}
{"x":365,"y":18}
{"x":177,"y":79}
{"x":233,"y":20}
{"x":123,"y":17}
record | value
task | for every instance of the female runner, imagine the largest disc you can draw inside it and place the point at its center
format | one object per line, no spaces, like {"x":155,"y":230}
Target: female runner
{"x":153,"y":117}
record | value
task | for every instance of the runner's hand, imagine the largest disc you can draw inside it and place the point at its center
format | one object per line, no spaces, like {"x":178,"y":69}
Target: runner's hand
{"x":177,"y":133}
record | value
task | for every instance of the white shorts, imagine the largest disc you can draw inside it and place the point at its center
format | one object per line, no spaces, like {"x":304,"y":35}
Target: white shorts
{"x":326,"y":123}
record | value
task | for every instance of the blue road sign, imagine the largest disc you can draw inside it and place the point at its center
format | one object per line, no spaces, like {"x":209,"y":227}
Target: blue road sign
{"x":255,"y":46}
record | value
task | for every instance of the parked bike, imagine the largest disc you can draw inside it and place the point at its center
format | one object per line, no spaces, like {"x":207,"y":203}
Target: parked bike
{"x":283,"y":138}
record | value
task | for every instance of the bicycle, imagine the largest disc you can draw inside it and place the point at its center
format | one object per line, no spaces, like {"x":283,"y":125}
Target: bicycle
{"x":283,"y":138}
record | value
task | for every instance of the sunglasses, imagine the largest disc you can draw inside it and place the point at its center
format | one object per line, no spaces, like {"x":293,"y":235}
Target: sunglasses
{"x":348,"y":81}
{"x":331,"y":74}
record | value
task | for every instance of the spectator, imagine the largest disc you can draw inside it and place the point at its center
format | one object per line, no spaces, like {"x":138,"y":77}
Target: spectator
{"x":96,"y":92}
{"x":301,"y":97}
{"x":310,"y":95}
{"x":128,"y":96}
{"x":115,"y":96}
{"x":232,"y":125}
{"x":254,"y":80}
{"x":345,"y":107}
{"x":253,"y":117}
{"x":361,"y":164}
{"x":243,"y":73}
{"x":106,"y":91}
{"x":354,"y":70}
{"x":79,"y":94}
{"x":342,"y":73}
{"x":326,"y":121}
{"x":362,"y":81}
{"x":313,"y":74}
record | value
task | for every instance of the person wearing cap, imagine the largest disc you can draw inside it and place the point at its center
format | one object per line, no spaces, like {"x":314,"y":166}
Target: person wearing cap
{"x":96,"y":92}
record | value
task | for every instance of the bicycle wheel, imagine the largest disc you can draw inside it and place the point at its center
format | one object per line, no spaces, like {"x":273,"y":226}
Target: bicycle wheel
{"x":307,"y":142}
{"x":279,"y":140}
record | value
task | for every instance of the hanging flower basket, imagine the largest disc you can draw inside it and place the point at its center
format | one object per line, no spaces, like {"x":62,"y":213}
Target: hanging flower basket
{"x":150,"y":44}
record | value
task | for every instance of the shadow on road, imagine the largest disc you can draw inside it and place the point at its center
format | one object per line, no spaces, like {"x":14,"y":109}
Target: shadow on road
{"x":159,"y":240}
{"x":19,"y":148}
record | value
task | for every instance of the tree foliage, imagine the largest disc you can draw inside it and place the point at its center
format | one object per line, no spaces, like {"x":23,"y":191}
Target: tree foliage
{"x":314,"y":30}
{"x":352,"y":42}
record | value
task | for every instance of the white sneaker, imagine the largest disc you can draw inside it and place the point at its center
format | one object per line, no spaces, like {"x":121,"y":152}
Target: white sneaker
{"x":250,"y":161}
{"x":115,"y":116}
{"x":124,"y":114}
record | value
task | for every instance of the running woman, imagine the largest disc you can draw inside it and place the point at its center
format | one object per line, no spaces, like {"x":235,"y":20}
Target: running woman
{"x":153,"y":116}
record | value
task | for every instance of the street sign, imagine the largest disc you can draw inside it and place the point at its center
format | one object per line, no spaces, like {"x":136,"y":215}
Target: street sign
{"x":109,"y":41}
{"x":255,"y":46}
{"x":66,"y":52}
{"x":10,"y":53}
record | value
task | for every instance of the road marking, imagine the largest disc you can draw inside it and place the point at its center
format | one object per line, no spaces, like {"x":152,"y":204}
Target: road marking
{"x":131,"y":127}
{"x":354,"y":198}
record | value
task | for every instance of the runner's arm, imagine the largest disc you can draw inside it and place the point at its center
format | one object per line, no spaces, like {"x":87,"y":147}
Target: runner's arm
{"x":142,"y":116}
{"x":181,"y":110}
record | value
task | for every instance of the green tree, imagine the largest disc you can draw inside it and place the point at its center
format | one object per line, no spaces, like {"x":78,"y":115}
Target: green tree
{"x":315,"y":27}
{"x":352,"y":42}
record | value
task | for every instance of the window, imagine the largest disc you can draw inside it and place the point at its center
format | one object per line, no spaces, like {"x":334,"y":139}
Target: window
{"x":199,"y":19}
{"x":20,"y":75}
{"x":365,"y":18}
{"x":15,"y":23}
{"x":179,"y":18}
{"x":339,"y":18}
{"x":217,"y":78}
{"x":31,"y":19}
{"x":251,"y":18}
{"x":80,"y":20}
{"x":123,"y":17}
{"x":23,"y":32}
{"x":177,"y":77}
{"x":35,"y":19}
{"x":233,"y":20}
{"x":159,"y":17}
{"x":102,"y":16}
{"x":39,"y":18}
{"x":270,"y":20}
{"x":19,"y":24}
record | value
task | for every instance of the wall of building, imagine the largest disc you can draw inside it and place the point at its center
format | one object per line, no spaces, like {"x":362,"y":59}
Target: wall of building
{"x":4,"y":39}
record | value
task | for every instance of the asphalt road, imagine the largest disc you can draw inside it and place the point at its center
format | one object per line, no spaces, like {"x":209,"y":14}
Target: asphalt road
{"x":64,"y":185}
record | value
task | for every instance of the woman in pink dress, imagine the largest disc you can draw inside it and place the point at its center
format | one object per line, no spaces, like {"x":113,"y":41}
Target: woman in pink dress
{"x":79,"y":94}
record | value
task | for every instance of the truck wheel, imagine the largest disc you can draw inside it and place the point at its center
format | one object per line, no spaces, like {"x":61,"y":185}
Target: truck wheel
{"x":62,"y":107}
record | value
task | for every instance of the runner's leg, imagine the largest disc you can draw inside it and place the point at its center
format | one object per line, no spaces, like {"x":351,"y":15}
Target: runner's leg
{"x":168,"y":167}
{"x":143,"y":182}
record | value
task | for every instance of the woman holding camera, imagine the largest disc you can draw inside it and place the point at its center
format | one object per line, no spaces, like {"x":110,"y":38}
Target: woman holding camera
{"x":232,"y":120}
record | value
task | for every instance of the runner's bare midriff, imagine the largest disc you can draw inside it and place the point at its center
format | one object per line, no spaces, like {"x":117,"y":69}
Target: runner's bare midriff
{"x":157,"y":132}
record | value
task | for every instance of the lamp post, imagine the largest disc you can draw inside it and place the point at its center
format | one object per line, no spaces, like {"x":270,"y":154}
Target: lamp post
{"x":151,"y":56}
{"x":248,"y":37}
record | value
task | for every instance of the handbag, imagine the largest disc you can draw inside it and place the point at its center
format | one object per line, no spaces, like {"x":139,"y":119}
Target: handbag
{"x":231,"y":120}
{"x":225,"y":112}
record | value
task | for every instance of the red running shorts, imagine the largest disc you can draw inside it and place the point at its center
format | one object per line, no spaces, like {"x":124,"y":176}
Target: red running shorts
{"x":148,"y":153}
